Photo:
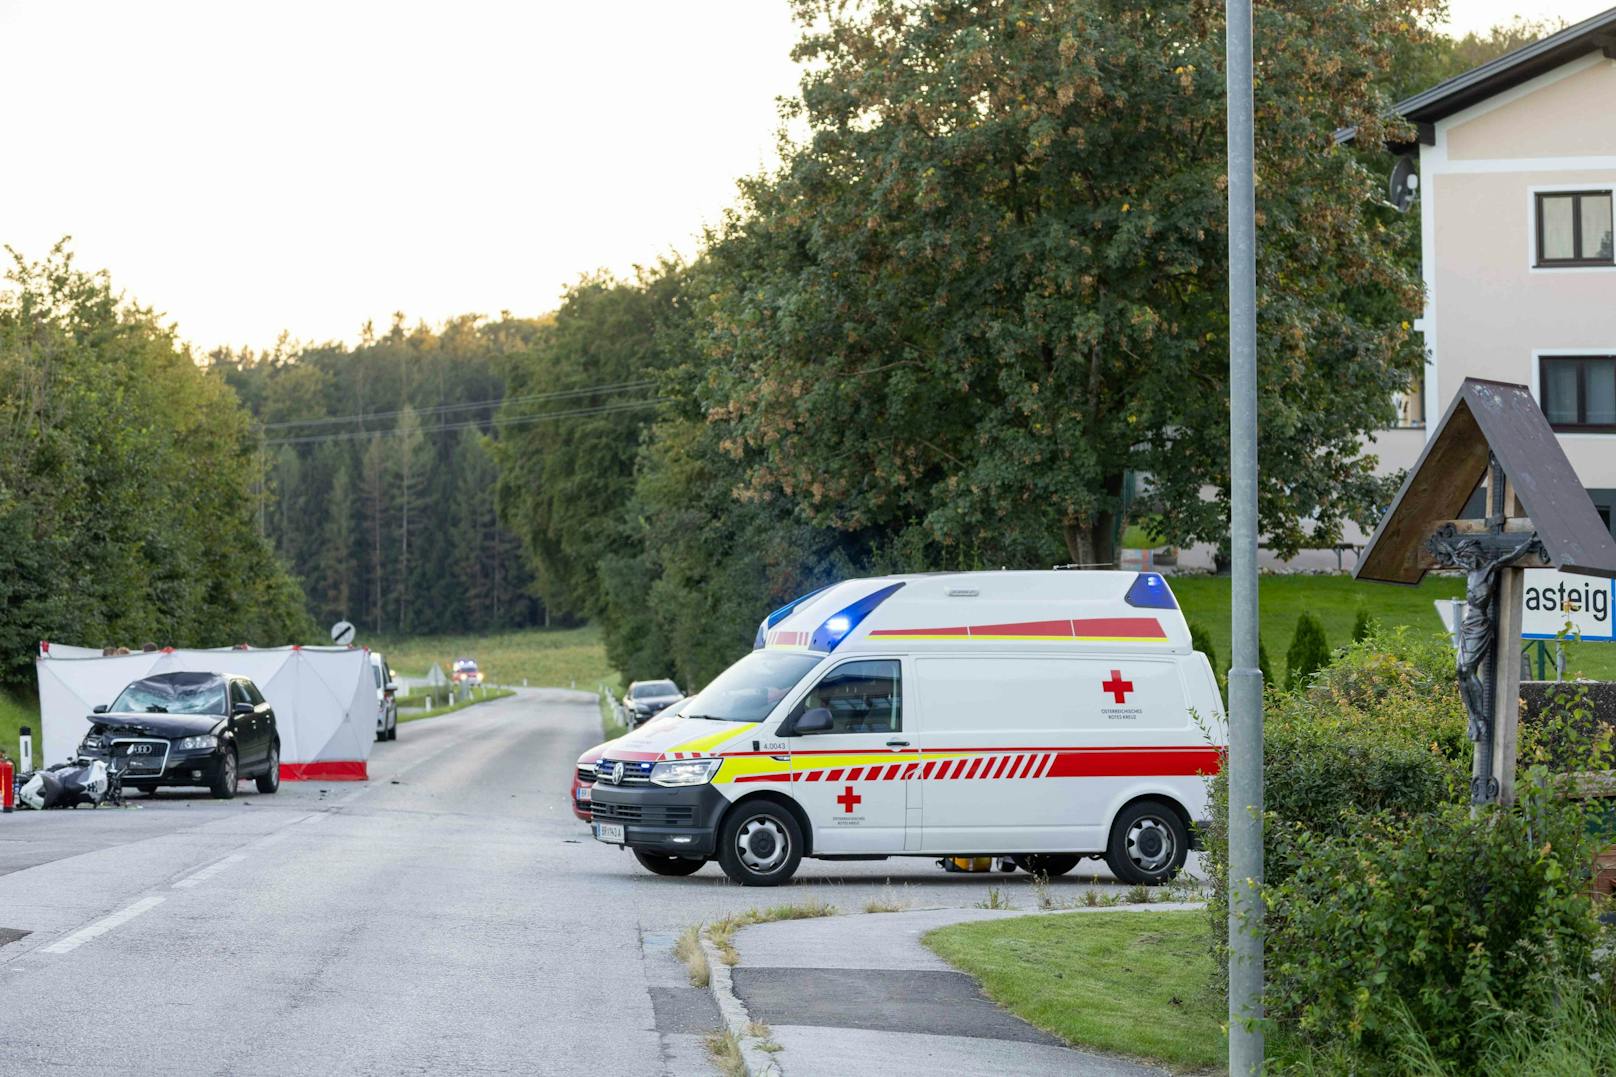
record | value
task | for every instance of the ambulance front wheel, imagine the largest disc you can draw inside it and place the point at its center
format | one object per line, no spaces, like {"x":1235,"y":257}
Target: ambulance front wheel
{"x":760,"y":844}
{"x":1148,"y":843}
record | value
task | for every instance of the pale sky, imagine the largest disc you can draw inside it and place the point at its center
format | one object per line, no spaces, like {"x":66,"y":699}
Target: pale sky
{"x":308,"y":166}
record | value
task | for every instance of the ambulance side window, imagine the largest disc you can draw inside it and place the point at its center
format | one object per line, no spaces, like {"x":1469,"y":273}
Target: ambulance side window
{"x":862,"y":697}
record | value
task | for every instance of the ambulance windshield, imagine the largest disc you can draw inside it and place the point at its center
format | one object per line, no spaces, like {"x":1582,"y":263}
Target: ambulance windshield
{"x":748,"y":690}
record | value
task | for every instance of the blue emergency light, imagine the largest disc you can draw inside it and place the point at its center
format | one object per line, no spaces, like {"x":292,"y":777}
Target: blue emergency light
{"x":1149,"y":591}
{"x":839,"y":624}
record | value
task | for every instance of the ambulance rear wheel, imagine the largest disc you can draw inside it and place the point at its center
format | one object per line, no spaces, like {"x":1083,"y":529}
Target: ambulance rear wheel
{"x":1050,"y":864}
{"x":760,"y":844}
{"x":668,"y":865}
{"x":1148,"y":844}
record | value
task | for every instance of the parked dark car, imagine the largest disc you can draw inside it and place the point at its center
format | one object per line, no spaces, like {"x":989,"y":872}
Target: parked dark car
{"x":645,"y":700}
{"x":206,"y":729}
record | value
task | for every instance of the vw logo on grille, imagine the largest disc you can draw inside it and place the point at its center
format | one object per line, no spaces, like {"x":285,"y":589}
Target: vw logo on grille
{"x":617,"y":772}
{"x":140,"y":749}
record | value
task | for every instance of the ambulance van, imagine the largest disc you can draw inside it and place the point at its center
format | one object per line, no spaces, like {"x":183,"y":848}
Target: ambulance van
{"x":1041,"y":716}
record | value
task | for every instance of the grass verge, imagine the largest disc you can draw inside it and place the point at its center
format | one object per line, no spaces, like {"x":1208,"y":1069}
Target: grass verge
{"x":543,"y":657}
{"x":725,"y":1051}
{"x":490,"y":694}
{"x":1131,"y":983}
{"x":722,"y":932}
{"x":687,"y":948}
{"x":14,"y":714}
{"x":611,"y":725}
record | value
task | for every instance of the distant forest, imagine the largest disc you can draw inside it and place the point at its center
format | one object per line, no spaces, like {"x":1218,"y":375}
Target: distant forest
{"x":375,"y":485}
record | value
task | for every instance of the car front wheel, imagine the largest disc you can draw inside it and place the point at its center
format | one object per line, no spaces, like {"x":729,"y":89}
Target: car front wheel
{"x":224,"y":780}
{"x":1149,"y":843}
{"x":1050,"y":864}
{"x":270,"y":779}
{"x":760,"y":844}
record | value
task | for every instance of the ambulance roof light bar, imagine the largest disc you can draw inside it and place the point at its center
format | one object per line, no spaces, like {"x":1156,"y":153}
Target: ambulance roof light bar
{"x":782,"y":613}
{"x":839,"y":624}
{"x":1150,"y":592}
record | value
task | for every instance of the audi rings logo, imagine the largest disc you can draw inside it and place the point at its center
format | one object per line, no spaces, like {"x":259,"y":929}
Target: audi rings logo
{"x":617,"y":772}
{"x":141,"y":749}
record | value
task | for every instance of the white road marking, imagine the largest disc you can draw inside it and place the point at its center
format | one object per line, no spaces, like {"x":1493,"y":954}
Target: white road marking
{"x":208,"y":872}
{"x":101,"y":927}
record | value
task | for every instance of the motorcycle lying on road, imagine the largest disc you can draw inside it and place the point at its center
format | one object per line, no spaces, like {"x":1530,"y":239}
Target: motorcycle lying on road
{"x":67,"y":785}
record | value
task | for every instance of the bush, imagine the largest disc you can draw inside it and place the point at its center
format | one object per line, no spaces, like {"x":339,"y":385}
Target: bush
{"x":1201,"y":640}
{"x":1382,"y":729}
{"x":1362,"y":626}
{"x":1422,"y":931}
{"x":1309,"y":653}
{"x":1263,"y":666}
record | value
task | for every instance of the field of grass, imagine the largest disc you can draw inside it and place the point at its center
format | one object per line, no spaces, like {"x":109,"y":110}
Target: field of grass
{"x":551,"y":658}
{"x":13,"y":715}
{"x":1134,"y":983}
{"x":449,"y":708}
{"x":1335,"y":601}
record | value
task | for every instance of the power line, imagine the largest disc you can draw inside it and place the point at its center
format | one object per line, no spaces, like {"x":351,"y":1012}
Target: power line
{"x":444,"y":409}
{"x":498,"y":424}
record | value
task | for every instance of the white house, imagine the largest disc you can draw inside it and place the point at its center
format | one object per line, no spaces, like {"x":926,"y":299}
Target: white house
{"x":1516,"y":173}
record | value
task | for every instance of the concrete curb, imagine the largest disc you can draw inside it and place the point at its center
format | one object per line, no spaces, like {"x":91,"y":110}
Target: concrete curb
{"x":759,"y":1063}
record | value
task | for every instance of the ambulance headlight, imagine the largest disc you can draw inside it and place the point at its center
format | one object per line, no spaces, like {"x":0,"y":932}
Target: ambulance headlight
{"x":685,"y":771}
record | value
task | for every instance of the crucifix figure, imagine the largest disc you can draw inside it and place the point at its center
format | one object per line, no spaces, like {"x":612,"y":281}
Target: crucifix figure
{"x":1484,"y":557}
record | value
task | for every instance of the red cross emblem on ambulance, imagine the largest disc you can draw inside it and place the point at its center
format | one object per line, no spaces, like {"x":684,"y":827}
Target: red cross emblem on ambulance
{"x":1118,"y":687}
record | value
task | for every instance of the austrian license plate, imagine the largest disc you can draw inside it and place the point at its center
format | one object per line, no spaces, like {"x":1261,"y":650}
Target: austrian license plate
{"x":609,"y":832}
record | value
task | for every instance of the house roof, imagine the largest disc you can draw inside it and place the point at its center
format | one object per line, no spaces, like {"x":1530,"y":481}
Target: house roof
{"x":1597,"y":33}
{"x":1503,"y":420}
{"x":1511,"y":69}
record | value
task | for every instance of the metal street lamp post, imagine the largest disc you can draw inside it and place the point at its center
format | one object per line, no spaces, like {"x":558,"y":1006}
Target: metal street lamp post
{"x":1245,"y":680}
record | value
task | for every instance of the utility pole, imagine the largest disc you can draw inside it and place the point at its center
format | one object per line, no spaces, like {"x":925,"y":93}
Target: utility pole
{"x":1245,"y":679}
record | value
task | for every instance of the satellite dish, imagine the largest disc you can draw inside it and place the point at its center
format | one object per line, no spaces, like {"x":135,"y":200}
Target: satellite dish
{"x":1404,"y":185}
{"x":342,"y":633}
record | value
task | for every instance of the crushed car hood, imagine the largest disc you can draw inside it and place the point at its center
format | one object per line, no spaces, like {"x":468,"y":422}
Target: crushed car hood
{"x":157,"y":725}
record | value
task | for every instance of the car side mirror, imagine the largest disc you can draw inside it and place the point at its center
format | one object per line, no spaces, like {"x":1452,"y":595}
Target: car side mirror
{"x":243,"y":709}
{"x":391,"y":686}
{"x":817,"y":720}
{"x":101,"y":708}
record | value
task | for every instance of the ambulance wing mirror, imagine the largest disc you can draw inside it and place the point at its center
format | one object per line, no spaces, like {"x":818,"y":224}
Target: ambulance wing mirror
{"x":815,"y":721}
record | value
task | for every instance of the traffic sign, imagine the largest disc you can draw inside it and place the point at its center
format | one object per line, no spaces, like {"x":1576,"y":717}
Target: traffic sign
{"x":342,"y":633}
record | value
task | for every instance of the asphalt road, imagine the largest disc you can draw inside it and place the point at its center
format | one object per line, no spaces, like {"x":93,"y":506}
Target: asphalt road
{"x":448,"y":916}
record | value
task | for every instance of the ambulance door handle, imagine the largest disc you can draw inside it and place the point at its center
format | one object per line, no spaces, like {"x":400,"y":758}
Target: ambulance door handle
{"x":897,"y":744}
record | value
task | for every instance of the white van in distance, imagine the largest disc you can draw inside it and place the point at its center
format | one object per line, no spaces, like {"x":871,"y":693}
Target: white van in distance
{"x":1047,"y":716}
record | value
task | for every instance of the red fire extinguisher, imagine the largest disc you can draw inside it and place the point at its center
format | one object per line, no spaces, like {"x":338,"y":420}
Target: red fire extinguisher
{"x":6,"y":793}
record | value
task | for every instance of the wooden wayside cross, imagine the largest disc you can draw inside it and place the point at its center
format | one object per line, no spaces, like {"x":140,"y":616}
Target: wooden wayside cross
{"x":1538,"y":515}
{"x":1493,"y":554}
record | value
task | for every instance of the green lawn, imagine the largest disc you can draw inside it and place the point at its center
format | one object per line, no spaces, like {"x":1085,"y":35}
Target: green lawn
{"x":14,"y":715}
{"x":1335,"y":601}
{"x":1133,"y":983}
{"x":552,"y":658}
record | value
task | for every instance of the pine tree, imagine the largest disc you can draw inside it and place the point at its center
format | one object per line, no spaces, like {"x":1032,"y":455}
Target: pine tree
{"x":334,"y":579}
{"x":373,"y":497}
{"x":1309,"y":652}
{"x":411,"y":463}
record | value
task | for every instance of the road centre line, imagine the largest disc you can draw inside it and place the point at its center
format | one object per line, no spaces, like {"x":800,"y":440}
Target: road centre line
{"x":208,"y":872}
{"x":101,"y":927}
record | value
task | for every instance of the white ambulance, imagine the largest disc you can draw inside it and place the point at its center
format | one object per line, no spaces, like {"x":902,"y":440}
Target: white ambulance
{"x":1043,"y":716}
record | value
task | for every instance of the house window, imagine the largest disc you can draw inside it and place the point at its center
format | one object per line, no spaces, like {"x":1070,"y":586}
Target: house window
{"x":1574,"y":229}
{"x":1579,"y":392}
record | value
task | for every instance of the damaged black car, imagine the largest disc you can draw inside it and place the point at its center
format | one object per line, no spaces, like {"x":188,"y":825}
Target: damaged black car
{"x":170,"y":729}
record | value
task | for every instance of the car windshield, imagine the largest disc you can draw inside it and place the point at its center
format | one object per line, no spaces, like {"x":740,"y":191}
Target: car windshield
{"x":465,"y":665}
{"x":166,"y":695}
{"x":653,"y":688}
{"x":748,"y":690}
